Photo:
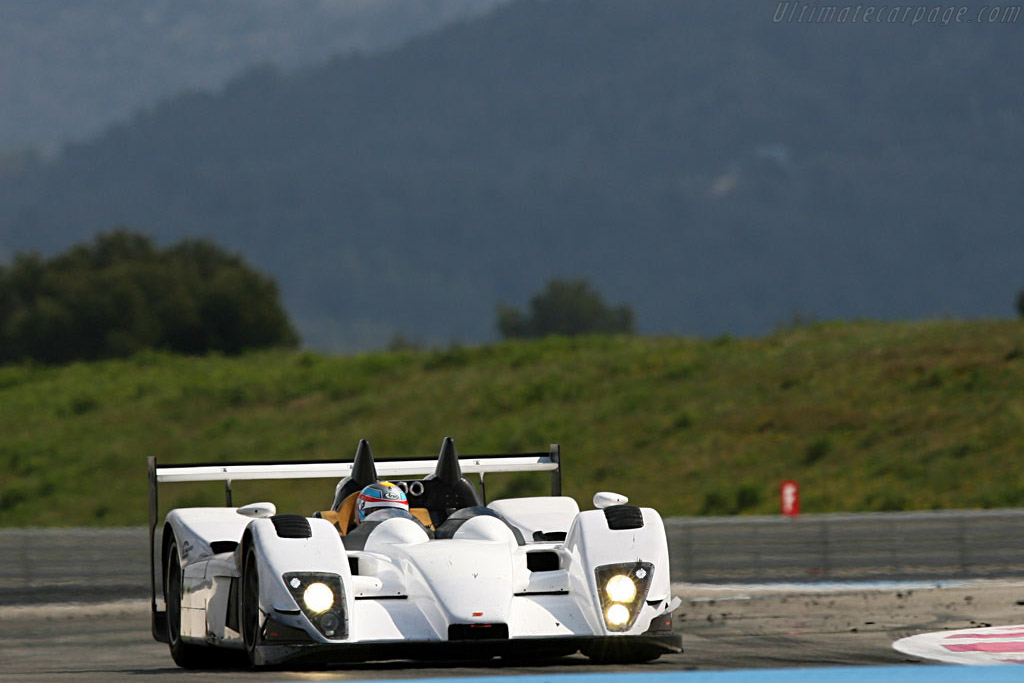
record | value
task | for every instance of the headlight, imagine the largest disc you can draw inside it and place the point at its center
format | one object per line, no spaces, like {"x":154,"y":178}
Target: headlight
{"x":321,"y":598}
{"x":318,"y":597}
{"x":620,"y":588}
{"x":617,"y":615}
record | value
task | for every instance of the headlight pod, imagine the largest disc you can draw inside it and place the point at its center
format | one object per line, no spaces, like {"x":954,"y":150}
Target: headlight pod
{"x":321,"y":598}
{"x":622,"y":589}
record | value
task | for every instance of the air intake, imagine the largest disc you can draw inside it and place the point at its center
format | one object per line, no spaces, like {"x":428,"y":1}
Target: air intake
{"x":291,"y":526}
{"x":478,"y":632}
{"x":223,"y":547}
{"x":542,"y":561}
{"x":621,"y":517}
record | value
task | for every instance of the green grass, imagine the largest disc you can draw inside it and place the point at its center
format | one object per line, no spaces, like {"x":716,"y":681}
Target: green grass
{"x":866,"y":416}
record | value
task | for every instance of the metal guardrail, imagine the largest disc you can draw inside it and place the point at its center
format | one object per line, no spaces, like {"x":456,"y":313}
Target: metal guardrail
{"x":84,"y":564}
{"x":47,"y":565}
{"x":848,"y":547}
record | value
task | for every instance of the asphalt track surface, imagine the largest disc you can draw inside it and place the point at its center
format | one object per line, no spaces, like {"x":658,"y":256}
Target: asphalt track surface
{"x":724,"y":627}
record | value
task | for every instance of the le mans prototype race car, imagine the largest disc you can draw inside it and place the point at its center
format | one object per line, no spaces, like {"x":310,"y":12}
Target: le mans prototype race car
{"x":526,"y":578}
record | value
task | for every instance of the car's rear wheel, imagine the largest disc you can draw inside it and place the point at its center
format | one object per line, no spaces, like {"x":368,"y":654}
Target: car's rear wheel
{"x":249,"y":619}
{"x":185,"y":655}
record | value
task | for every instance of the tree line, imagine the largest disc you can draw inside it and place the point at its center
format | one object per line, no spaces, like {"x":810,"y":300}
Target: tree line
{"x":121,"y":294}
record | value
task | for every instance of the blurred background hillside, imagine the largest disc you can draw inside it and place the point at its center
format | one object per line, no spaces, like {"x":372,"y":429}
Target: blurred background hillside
{"x":74,"y":68}
{"x":717,"y":170}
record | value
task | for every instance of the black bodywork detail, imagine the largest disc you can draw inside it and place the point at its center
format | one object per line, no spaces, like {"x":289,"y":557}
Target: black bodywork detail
{"x":542,"y":561}
{"x":364,"y":473}
{"x":219,"y":547}
{"x":231,"y":621}
{"x":660,"y":624}
{"x":548,"y":536}
{"x":438,"y":498}
{"x":478,"y":632}
{"x":274,"y":632}
{"x":382,"y":597}
{"x":632,"y":648}
{"x":291,"y":526}
{"x":448,"y":469}
{"x":621,"y":517}
{"x":356,"y":539}
{"x":446,"y":490}
{"x":460,"y":517}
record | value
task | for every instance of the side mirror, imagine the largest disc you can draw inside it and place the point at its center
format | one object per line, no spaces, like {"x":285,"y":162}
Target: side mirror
{"x":604,"y":499}
{"x":258,"y":510}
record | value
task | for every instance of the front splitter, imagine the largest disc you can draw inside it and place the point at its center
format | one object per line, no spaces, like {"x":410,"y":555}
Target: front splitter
{"x":599,"y":648}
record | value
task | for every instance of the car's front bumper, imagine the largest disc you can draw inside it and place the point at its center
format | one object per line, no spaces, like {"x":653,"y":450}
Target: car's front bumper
{"x":602,"y":648}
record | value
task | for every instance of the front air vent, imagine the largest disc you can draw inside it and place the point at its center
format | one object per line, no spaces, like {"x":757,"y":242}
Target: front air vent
{"x":219,"y":547}
{"x":291,"y":526}
{"x":478,"y":632}
{"x":542,"y":561}
{"x":621,"y":517}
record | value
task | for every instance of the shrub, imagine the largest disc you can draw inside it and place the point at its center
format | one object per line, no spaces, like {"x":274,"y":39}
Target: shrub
{"x":566,"y":307}
{"x":120,"y":295}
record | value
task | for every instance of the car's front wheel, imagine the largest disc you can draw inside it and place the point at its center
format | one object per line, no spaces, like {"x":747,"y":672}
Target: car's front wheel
{"x":249,"y":617}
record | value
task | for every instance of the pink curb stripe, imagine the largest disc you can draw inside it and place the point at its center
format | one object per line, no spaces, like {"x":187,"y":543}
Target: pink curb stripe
{"x":1017,"y":646}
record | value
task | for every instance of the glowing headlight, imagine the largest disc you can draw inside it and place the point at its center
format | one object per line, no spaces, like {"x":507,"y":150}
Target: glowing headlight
{"x":318,"y":597}
{"x":617,"y":615}
{"x":620,"y":589}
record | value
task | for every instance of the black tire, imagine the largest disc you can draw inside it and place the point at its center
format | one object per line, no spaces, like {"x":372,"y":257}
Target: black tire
{"x":249,"y":605}
{"x":185,"y":655}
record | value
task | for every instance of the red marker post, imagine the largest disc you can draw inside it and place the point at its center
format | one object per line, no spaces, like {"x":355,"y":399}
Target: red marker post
{"x":789,"y":496}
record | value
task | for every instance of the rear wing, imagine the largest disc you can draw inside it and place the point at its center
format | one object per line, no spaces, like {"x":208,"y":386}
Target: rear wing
{"x":327,"y":469}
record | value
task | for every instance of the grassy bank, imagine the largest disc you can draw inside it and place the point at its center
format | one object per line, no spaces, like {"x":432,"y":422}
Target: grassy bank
{"x":867,"y":416}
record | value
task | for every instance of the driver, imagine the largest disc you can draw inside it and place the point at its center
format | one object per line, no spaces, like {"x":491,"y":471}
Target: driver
{"x":380,"y":501}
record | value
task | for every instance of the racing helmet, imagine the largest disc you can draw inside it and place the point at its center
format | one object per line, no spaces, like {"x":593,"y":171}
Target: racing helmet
{"x":379,"y":496}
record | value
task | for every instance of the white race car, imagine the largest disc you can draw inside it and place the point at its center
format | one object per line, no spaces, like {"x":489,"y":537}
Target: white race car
{"x":451,"y":579}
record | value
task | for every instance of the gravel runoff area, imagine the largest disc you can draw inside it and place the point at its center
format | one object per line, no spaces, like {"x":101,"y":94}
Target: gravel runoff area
{"x":724,"y":627}
{"x":841,"y":624}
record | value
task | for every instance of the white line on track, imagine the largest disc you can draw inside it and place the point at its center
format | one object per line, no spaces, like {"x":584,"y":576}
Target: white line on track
{"x":78,"y":609}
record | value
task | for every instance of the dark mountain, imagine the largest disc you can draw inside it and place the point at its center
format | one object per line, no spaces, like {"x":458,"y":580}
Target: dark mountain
{"x":717,"y":170}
